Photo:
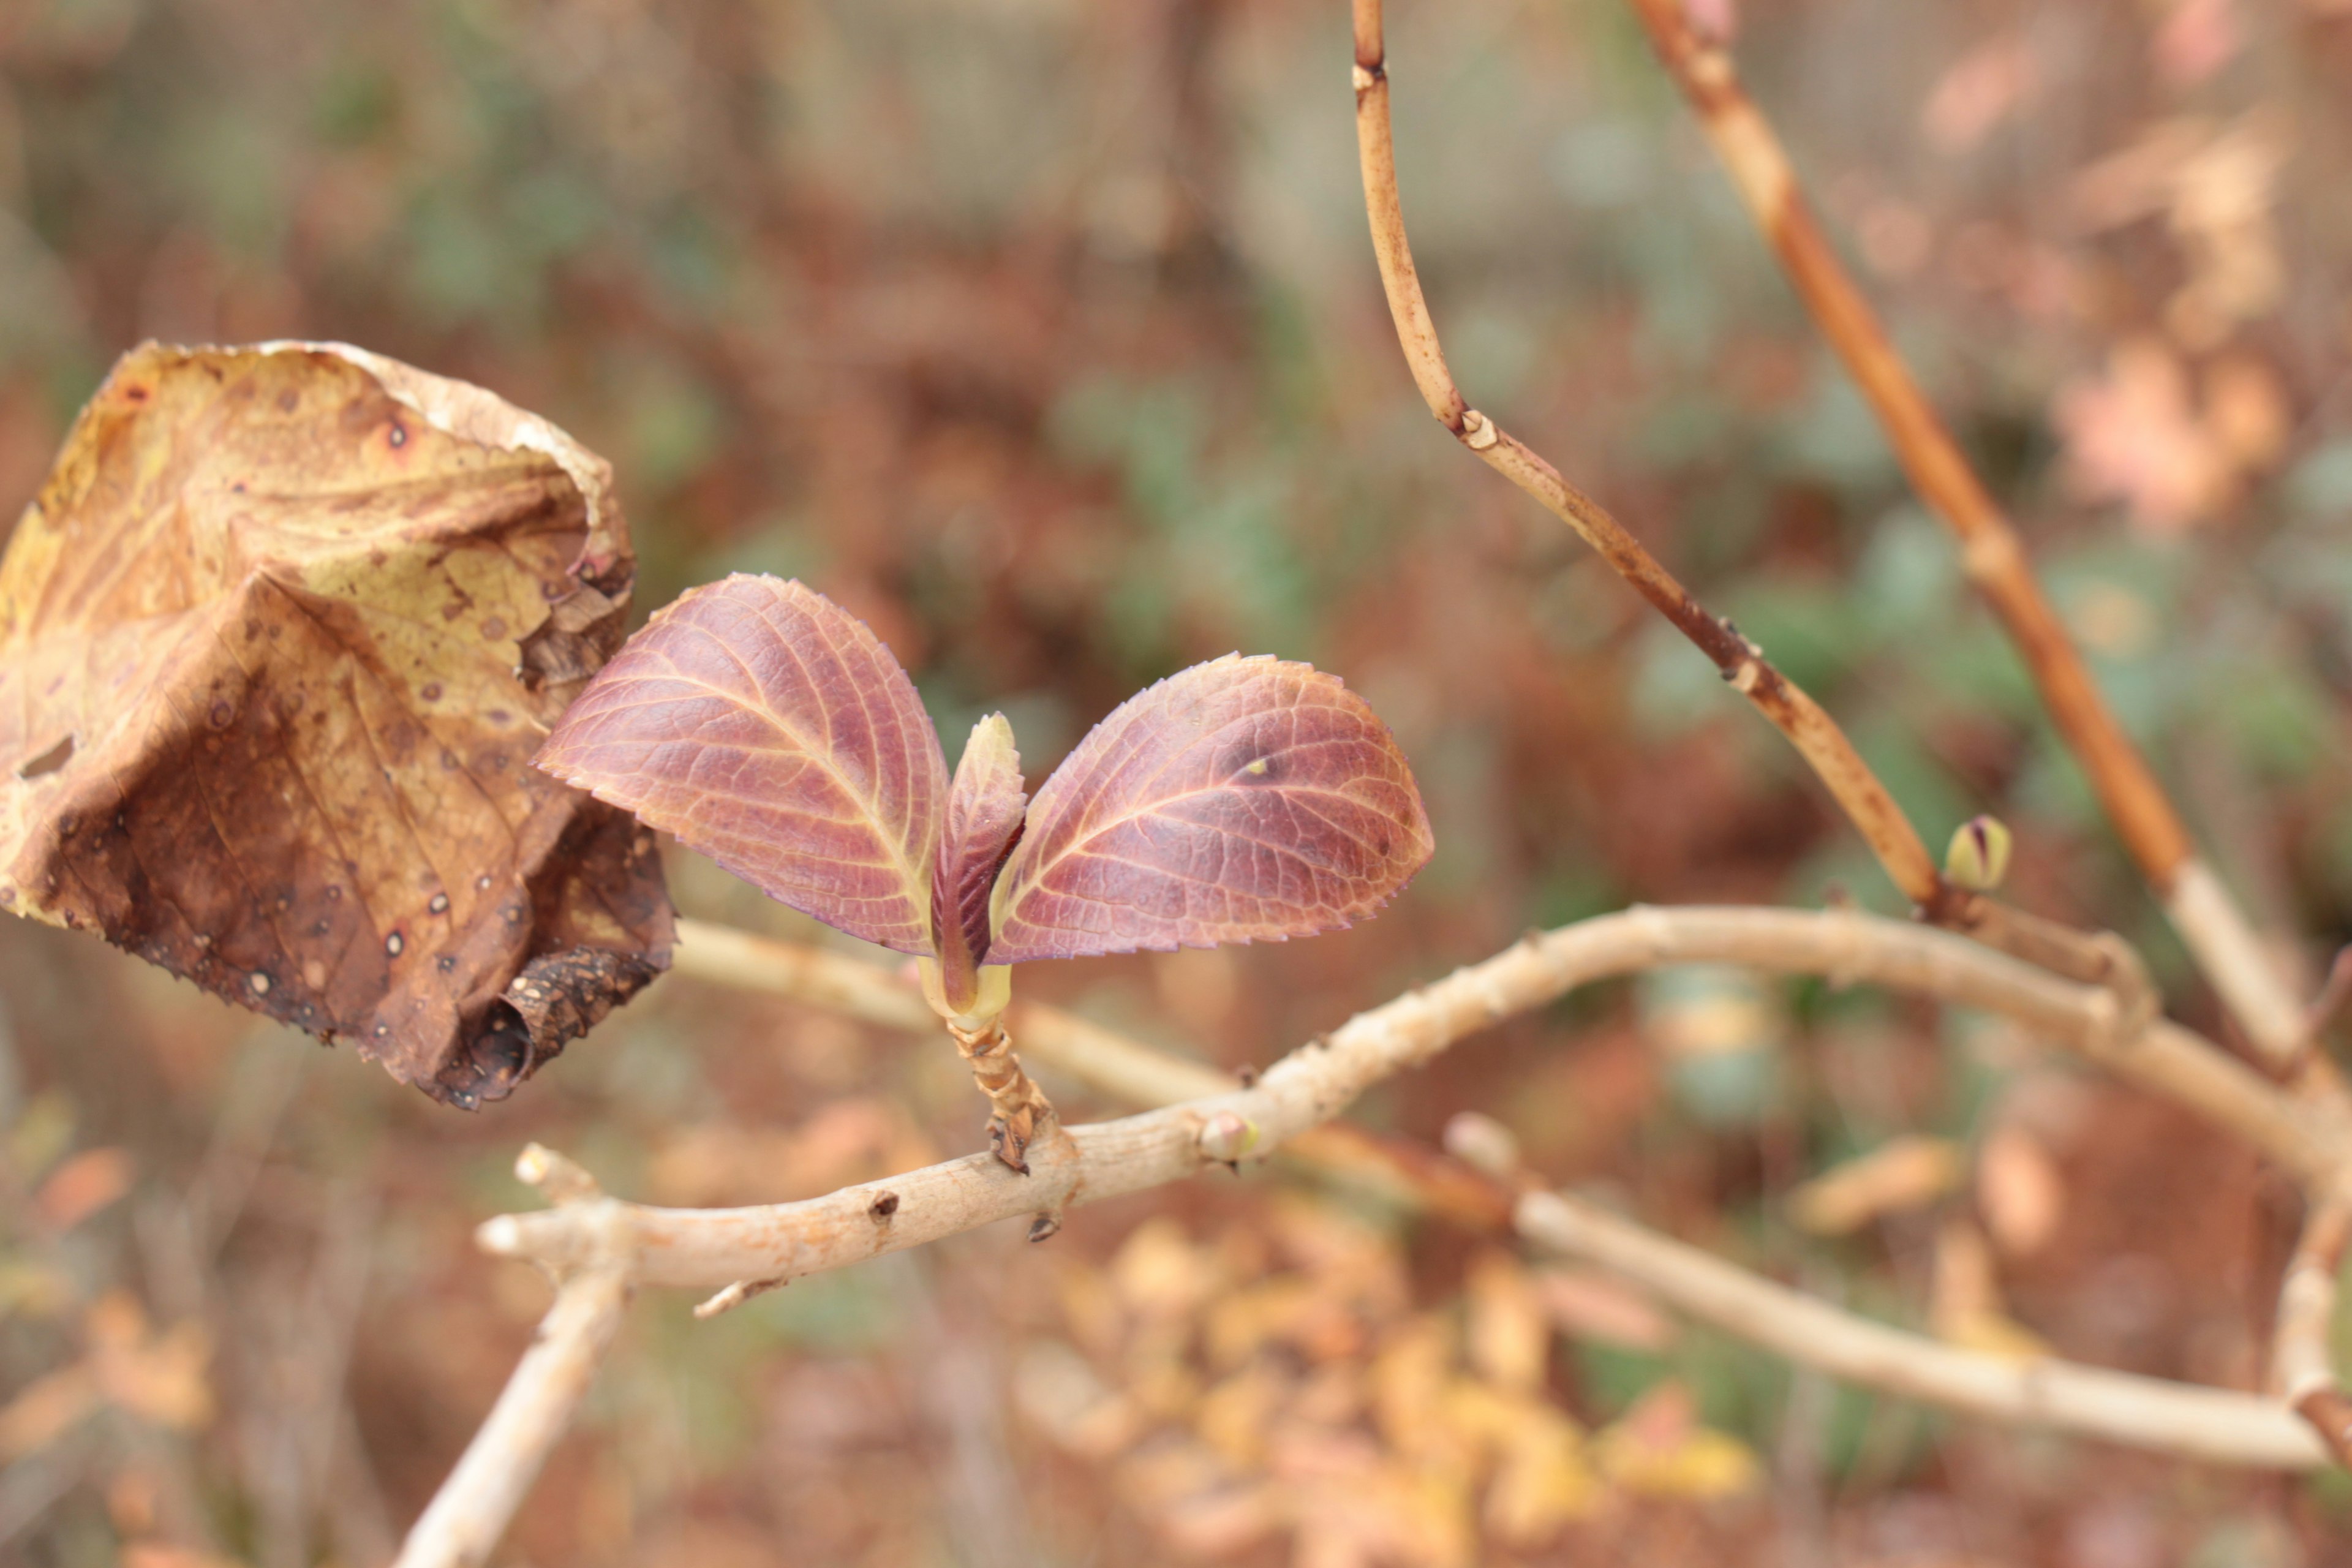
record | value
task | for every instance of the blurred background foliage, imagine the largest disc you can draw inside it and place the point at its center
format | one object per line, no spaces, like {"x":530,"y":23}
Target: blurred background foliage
{"x":1046,"y":336}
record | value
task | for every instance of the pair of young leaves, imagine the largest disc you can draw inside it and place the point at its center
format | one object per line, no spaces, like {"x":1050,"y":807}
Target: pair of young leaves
{"x":1244,"y":799}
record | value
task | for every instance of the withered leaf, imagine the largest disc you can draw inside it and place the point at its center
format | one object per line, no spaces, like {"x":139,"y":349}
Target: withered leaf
{"x":277,"y":638}
{"x":768,"y":727}
{"x":1244,"y":799}
{"x":983,"y":822}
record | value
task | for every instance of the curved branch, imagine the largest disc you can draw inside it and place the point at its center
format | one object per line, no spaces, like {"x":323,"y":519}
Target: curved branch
{"x":2210,"y":922}
{"x":599,"y":1247}
{"x":2219,"y":1425}
{"x":2301,"y":1369}
{"x":2209,"y":1423}
{"x":1845,"y":945}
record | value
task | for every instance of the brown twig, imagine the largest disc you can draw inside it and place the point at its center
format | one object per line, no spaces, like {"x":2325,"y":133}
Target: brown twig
{"x":1019,"y":1112}
{"x":1994,"y":559}
{"x":1824,"y":746}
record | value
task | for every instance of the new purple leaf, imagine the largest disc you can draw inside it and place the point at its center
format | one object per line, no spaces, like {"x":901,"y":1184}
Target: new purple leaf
{"x":768,"y":729}
{"x":984,"y":823}
{"x":1244,"y":799}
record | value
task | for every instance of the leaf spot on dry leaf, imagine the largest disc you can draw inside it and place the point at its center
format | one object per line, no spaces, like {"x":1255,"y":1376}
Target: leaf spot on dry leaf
{"x":392,"y":945}
{"x":259,"y":981}
{"x":49,"y":760}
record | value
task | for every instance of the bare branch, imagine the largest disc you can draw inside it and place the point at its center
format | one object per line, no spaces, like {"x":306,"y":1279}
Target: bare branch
{"x":2334,"y":997}
{"x":2139,"y":1411}
{"x":2212,"y":925}
{"x":1824,"y":746}
{"x":599,"y":1247}
{"x":2301,"y":1370}
{"x":2155,"y":1414}
{"x":1848,"y":945}
{"x":471,"y":1511}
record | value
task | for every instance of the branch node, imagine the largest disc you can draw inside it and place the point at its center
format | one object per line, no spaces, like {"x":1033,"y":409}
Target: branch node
{"x":1368,"y":77}
{"x":1477,"y":431}
{"x":1046,"y":1225}
{"x":2329,"y":1411}
{"x":1228,"y":1137}
{"x":560,"y":1179}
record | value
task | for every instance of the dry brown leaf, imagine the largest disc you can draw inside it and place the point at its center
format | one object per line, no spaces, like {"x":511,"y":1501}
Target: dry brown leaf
{"x":2137,"y":435}
{"x":2197,"y":38}
{"x":45,"y":1409}
{"x":276,"y":639}
{"x":1904,"y":1172}
{"x":1508,"y":1340}
{"x":1160,"y":1273}
{"x":1584,"y":1305}
{"x":160,"y":1378}
{"x":1235,"y":1415}
{"x":1967,"y":1308}
{"x":83,"y":1185}
{"x":1659,"y":1448}
{"x":2018,"y":1191}
{"x":1544,"y":1482}
{"x":156,"y":1554}
{"x":1059,"y":1392}
{"x":1980,"y":90}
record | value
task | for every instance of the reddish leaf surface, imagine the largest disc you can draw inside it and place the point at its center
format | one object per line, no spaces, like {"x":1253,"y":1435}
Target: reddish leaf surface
{"x":767,"y":727}
{"x":274,"y":637}
{"x":1243,"y":800}
{"x":983,"y":820}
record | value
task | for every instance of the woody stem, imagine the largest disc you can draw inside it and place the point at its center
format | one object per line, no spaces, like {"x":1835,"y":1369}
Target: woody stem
{"x":1020,"y":1110}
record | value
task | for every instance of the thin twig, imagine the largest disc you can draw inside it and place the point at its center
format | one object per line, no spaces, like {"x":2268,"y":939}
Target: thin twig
{"x":2333,"y":1000}
{"x":2302,"y":1372}
{"x":2215,"y":929}
{"x":462,"y":1525}
{"x":2207,"y":1423}
{"x":1824,"y":746}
